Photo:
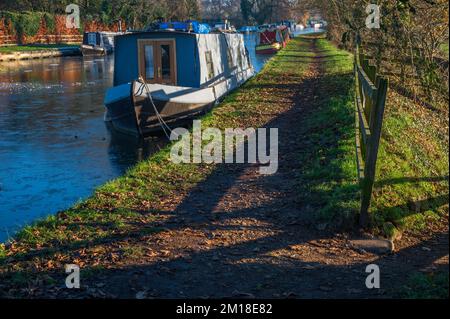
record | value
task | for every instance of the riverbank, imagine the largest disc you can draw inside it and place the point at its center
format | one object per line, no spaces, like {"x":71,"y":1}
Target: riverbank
{"x":25,"y":52}
{"x":167,"y":230}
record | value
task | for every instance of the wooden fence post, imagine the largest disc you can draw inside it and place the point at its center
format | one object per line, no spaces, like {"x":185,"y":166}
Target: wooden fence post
{"x":370,"y":99}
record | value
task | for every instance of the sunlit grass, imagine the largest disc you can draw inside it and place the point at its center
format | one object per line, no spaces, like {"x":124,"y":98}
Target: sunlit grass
{"x":33,"y":47}
{"x":328,"y":184}
{"x":412,"y":171}
{"x":444,"y":49}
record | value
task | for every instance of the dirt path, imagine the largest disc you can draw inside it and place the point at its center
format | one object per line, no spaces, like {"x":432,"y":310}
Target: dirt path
{"x":243,"y":234}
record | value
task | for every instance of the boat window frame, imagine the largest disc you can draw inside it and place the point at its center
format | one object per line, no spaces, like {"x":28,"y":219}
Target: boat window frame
{"x":157,"y":43}
{"x":172,"y":52}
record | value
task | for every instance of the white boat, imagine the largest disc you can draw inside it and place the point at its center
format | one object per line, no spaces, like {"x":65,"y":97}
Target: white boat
{"x":98,"y":43}
{"x":170,"y":76}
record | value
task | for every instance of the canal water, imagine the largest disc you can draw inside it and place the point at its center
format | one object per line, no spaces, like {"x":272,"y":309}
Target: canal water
{"x":55,"y":148}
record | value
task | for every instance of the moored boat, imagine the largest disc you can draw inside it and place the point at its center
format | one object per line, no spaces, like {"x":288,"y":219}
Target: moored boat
{"x":271,"y":40}
{"x":98,"y":43}
{"x":166,"y":77}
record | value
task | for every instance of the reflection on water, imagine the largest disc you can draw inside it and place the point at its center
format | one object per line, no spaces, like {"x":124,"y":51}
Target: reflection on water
{"x":258,"y":60}
{"x":54,"y":146}
{"x":308,"y":30}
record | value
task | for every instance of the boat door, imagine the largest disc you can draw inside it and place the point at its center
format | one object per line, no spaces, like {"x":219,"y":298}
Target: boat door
{"x":157,"y":61}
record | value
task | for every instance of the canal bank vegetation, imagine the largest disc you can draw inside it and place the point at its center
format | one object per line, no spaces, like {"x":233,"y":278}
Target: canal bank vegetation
{"x":412,"y":186}
{"x":46,"y":29}
{"x":426,"y":286}
{"x":411,"y":189}
{"x":29,"y":22}
{"x":26,"y":16}
{"x":410,"y":193}
{"x":35,"y":47}
{"x":409,"y":47}
{"x":26,"y":23}
{"x":139,"y":14}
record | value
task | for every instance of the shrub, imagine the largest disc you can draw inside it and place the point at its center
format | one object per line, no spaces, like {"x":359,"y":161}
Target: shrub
{"x":28,"y":23}
{"x":50,"y":22}
{"x":10,"y":17}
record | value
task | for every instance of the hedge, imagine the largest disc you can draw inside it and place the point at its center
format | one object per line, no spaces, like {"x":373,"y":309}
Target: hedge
{"x":28,"y":23}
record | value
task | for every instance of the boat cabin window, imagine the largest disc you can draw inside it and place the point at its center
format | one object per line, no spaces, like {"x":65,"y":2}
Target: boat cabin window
{"x":157,"y":62}
{"x":209,"y":65}
{"x":165,"y":61}
{"x":92,"y":38}
{"x":149,"y":62}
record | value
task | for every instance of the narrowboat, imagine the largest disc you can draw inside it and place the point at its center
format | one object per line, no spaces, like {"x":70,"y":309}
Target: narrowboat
{"x":271,"y":40}
{"x":98,"y":43}
{"x":163,"y":78}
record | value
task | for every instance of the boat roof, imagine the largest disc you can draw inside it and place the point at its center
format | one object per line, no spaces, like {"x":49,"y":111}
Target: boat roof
{"x":158,"y":31}
{"x":104,"y":32}
{"x":188,"y":34}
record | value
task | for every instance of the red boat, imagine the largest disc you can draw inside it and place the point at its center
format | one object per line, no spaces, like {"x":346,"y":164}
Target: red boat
{"x":271,"y":40}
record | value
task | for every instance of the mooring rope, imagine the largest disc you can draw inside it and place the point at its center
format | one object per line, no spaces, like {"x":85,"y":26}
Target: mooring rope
{"x":164,"y":125}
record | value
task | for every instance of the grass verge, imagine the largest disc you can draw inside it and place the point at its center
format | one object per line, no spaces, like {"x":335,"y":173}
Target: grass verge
{"x":411,"y":188}
{"x":34,"y":47}
{"x":327,"y":183}
{"x":426,"y":286}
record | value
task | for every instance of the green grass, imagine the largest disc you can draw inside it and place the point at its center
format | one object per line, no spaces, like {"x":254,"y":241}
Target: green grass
{"x":35,"y":47}
{"x":2,"y":251}
{"x":411,"y":187}
{"x":444,"y":49}
{"x":327,"y":183}
{"x":426,"y":286}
